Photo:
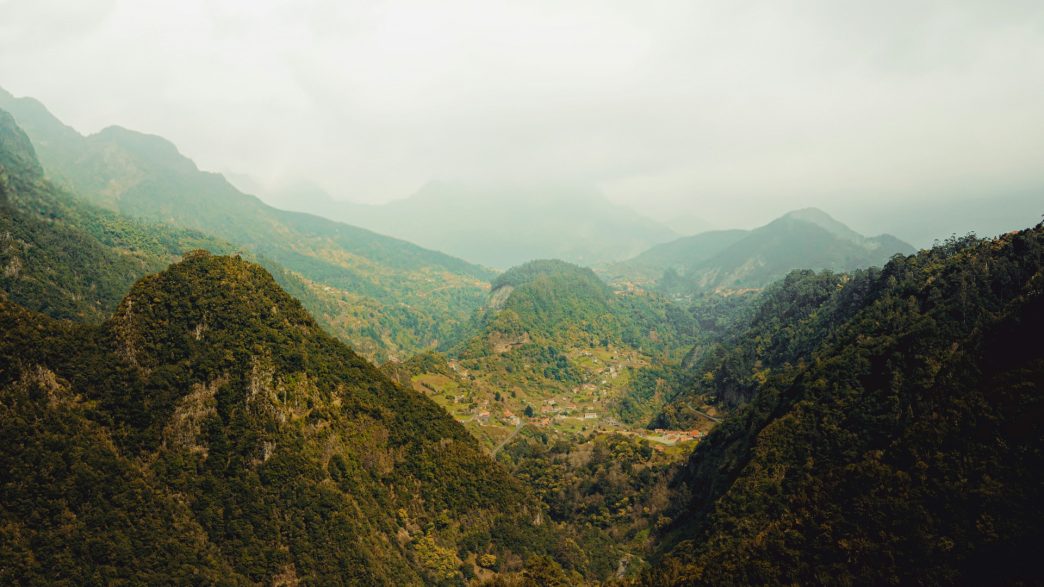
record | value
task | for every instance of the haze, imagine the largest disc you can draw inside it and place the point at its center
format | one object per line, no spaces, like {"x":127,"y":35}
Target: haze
{"x":733,"y":112}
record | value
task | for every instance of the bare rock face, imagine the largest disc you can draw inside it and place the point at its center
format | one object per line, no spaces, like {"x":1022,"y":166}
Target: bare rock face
{"x":184,"y":431}
{"x":499,"y":296}
{"x":502,"y":343}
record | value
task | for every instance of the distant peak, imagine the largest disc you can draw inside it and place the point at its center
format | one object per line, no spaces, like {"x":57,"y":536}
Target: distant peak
{"x":149,"y":148}
{"x":810,"y":214}
{"x":825,"y":221}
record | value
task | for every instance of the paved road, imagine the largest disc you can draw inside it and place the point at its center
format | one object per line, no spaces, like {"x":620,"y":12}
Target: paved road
{"x":514,"y":433}
{"x":708,"y":416}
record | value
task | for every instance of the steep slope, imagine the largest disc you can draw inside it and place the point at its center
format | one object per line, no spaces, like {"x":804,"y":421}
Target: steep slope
{"x":556,"y":378}
{"x":737,"y":260}
{"x":766,"y":333}
{"x":66,"y":258}
{"x":216,"y":419}
{"x":69,"y":259}
{"x":385,"y":296}
{"x":892,"y":435}
{"x":500,"y":225}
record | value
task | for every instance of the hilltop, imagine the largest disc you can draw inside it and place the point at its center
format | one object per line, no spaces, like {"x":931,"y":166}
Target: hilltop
{"x":556,"y":376}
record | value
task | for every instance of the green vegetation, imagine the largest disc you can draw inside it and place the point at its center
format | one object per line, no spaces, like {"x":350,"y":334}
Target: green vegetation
{"x":879,"y":426}
{"x":387,"y":297}
{"x":213,"y":404}
{"x":557,"y":339}
{"x":65,"y":258}
{"x":891,"y":434}
{"x":606,"y":493}
{"x":69,"y":259}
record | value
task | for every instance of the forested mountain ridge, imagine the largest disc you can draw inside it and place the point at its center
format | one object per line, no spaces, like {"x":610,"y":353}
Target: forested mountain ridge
{"x":892,"y":433}
{"x":224,"y":437}
{"x":70,"y":259}
{"x":736,"y":260}
{"x":66,"y":258}
{"x":386,"y":296}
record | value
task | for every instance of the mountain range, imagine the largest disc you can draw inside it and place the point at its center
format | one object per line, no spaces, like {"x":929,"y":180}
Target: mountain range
{"x":187,"y":396}
{"x":740,"y":259}
{"x":497,"y":225}
{"x":386,"y":296}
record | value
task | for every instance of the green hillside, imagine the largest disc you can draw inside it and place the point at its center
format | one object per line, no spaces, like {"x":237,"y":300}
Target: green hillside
{"x":385,"y":296}
{"x":557,"y":376}
{"x":891,"y":430}
{"x":66,"y":258}
{"x":551,"y":327}
{"x":212,"y":429}
{"x":69,"y":259}
{"x":556,"y":349}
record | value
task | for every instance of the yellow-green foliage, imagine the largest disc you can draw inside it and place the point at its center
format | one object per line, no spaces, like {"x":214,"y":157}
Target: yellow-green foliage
{"x":288,"y":453}
{"x":439,"y":562}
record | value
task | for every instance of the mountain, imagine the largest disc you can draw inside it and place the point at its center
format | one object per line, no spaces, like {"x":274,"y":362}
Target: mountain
{"x":735,"y":260}
{"x":499,"y":225}
{"x":211,"y":431}
{"x":70,"y":259}
{"x":888,"y":431}
{"x":384,"y":295}
{"x":555,"y":347}
{"x":556,"y":376}
{"x":649,"y":266}
{"x":66,"y":258}
{"x":554,"y":328}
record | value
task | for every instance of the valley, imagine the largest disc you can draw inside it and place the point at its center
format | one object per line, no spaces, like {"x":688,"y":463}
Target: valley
{"x":196,"y":387}
{"x":584,"y":410}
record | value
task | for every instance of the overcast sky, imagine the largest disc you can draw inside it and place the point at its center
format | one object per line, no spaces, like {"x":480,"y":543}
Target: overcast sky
{"x":734,"y":111}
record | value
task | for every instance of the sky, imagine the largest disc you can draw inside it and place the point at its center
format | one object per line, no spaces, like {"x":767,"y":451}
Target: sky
{"x":729,"y":111}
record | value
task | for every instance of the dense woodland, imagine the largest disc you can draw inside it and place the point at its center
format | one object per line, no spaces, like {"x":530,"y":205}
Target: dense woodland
{"x":890,"y":432}
{"x":224,"y":409}
{"x":173,"y":415}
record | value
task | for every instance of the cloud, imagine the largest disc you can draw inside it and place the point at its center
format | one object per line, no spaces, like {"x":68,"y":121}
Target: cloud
{"x":735,"y":111}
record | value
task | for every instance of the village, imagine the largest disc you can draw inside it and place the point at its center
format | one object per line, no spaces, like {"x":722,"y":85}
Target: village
{"x":495,"y":415}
